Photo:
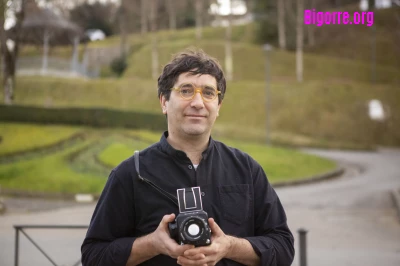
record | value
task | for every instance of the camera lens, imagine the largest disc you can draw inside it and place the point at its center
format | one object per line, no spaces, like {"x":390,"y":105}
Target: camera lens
{"x":193,"y":229}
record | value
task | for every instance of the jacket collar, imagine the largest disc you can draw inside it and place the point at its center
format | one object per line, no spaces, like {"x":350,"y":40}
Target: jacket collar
{"x":168,"y":149}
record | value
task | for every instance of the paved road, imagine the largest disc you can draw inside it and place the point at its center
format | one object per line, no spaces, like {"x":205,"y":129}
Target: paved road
{"x":351,"y":220}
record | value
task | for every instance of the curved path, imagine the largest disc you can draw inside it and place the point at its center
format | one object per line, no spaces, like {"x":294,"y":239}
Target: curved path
{"x":351,"y":220}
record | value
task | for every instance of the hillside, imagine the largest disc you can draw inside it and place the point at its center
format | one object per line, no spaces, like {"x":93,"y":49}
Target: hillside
{"x":328,"y":109}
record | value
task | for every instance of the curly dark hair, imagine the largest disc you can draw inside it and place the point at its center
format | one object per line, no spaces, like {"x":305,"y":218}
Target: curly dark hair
{"x":195,"y":62}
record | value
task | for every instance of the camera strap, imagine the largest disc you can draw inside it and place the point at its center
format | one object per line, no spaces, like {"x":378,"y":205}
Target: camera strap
{"x":157,"y":188}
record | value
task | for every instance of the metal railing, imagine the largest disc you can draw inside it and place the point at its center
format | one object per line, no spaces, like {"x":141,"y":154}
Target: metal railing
{"x":20,"y":228}
{"x":302,"y":241}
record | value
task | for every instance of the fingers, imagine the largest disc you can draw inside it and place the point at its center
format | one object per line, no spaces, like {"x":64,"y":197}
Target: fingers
{"x":215,"y":229}
{"x":168,"y":218}
{"x":198,"y":260}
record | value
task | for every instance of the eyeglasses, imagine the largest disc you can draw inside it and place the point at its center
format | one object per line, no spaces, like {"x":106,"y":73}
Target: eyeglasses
{"x":188,"y":90}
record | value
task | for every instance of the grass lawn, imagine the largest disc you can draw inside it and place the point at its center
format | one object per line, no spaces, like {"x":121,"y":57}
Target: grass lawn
{"x":84,"y":166}
{"x":50,"y":173}
{"x":331,"y":114}
{"x":17,"y":137}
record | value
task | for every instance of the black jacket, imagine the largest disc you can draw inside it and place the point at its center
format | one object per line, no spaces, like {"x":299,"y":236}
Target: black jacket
{"x":236,"y":193}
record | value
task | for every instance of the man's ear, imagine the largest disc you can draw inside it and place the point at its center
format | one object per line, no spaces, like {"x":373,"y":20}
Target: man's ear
{"x":219,"y":107}
{"x":163,"y":104}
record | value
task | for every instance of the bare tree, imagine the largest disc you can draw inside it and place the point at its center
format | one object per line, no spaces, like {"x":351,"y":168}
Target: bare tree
{"x":228,"y":45}
{"x":143,"y":15}
{"x":371,"y":4}
{"x":10,"y":48}
{"x":154,"y":41}
{"x":299,"y":40}
{"x":281,"y":23}
{"x":311,"y":27}
{"x":199,"y":21}
{"x":122,"y":28}
{"x":171,"y":14}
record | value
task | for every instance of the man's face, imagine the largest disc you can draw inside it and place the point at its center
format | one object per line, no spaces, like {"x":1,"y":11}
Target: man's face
{"x":193,"y":117}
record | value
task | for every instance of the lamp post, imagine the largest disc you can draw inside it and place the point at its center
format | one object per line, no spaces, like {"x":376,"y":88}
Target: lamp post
{"x":267,"y":48}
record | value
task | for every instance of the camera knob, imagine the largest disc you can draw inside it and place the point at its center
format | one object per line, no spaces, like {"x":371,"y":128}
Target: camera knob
{"x":208,"y":241}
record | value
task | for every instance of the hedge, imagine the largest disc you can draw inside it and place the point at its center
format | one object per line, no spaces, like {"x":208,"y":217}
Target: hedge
{"x":94,"y":117}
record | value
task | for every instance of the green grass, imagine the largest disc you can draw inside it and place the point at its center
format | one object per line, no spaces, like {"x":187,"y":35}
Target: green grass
{"x":116,"y":152}
{"x":283,"y":164}
{"x":327,"y":112}
{"x":50,"y":173}
{"x":249,"y":63}
{"x":83,"y":166}
{"x":22,"y":137}
{"x":328,"y":109}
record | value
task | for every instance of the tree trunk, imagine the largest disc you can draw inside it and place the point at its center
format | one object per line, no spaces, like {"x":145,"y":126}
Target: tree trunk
{"x":171,"y":14}
{"x":250,"y":10}
{"x":143,"y":16}
{"x":299,"y":40}
{"x":122,"y":28}
{"x":281,"y":24}
{"x":311,"y":27}
{"x":46,"y":37}
{"x":371,"y":4}
{"x":10,"y":54}
{"x":154,"y":41}
{"x":199,"y":22}
{"x":228,"y":46}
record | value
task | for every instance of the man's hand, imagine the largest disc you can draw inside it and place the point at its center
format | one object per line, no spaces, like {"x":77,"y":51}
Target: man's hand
{"x":163,"y":243}
{"x":209,"y":255}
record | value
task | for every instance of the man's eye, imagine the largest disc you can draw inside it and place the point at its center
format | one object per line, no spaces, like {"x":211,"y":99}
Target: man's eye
{"x":209,"y":92}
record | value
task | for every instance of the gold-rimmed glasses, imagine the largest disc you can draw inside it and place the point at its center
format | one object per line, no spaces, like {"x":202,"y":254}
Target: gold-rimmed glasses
{"x":188,"y":90}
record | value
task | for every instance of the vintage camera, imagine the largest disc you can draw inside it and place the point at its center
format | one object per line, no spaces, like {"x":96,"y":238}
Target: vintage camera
{"x":191,"y":224}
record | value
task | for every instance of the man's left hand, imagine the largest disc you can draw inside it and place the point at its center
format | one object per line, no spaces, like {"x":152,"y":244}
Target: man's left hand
{"x":209,"y":255}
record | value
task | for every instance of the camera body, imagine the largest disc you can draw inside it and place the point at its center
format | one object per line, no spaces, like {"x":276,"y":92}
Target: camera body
{"x":191,"y":224}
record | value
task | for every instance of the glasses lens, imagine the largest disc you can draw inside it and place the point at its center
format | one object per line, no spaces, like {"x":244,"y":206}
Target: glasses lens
{"x":187,"y":90}
{"x":209,"y":93}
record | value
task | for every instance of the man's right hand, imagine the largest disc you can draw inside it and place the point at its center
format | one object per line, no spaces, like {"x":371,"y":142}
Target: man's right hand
{"x":162,"y":241}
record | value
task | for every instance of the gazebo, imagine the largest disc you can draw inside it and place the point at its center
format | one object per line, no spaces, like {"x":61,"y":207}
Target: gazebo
{"x":44,"y":27}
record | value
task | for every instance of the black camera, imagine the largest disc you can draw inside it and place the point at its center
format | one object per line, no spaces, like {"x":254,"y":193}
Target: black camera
{"x":191,"y":224}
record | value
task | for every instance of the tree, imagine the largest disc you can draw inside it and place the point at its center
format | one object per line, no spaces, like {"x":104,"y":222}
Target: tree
{"x":228,"y":45}
{"x":154,"y":41}
{"x":311,"y":27}
{"x":281,"y":23}
{"x":299,"y":40}
{"x":143,"y":16}
{"x":171,"y":15}
{"x":10,"y":48}
{"x":122,"y":28}
{"x":371,"y":4}
{"x":199,"y":22}
{"x":94,"y":16}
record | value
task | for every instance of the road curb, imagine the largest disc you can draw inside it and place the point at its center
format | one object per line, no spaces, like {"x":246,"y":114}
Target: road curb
{"x":396,"y":200}
{"x":322,"y":177}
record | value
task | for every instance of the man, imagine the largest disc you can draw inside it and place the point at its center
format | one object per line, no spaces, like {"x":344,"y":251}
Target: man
{"x":130,"y":223}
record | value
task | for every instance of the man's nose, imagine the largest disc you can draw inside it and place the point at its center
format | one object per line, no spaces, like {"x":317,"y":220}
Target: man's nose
{"x":197,"y":100}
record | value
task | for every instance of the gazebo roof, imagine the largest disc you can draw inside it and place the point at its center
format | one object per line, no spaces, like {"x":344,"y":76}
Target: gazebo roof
{"x":41,"y":21}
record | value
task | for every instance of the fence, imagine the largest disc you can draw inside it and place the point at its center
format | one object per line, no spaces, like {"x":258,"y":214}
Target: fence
{"x":55,"y":67}
{"x":20,"y":228}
